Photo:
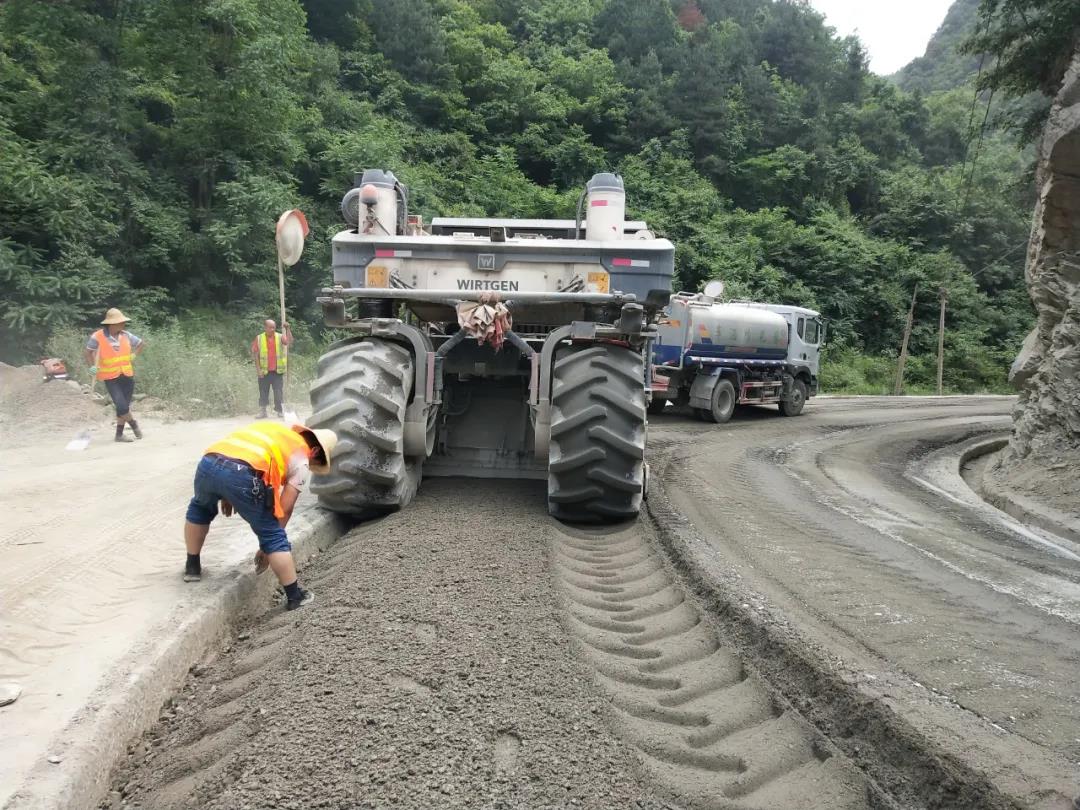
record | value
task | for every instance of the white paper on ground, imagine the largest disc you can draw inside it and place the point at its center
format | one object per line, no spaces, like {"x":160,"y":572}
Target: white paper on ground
{"x":80,"y":442}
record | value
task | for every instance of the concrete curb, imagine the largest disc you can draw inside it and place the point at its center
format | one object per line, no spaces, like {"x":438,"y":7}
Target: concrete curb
{"x":130,"y":697}
{"x":1025,"y":509}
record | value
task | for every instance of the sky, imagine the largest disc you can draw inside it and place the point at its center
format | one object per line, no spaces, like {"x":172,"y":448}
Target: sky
{"x":893,"y":31}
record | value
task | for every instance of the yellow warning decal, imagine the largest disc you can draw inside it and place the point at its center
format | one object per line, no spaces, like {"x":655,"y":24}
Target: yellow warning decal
{"x":377,"y":276}
{"x":598,"y":281}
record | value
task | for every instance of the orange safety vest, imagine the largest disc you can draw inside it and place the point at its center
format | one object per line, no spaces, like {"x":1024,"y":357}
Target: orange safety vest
{"x":112,"y":362}
{"x":266,"y":446}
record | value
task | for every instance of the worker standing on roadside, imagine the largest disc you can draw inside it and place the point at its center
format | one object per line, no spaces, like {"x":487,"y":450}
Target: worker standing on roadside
{"x":109,"y":354}
{"x":259,"y":472}
{"x":271,"y":358}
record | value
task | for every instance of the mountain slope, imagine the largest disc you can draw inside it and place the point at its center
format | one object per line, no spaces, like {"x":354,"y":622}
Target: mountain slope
{"x":942,"y":67}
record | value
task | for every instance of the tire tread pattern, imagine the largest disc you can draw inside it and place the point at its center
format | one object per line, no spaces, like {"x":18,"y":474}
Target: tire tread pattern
{"x":361,"y":393}
{"x":597,"y":457}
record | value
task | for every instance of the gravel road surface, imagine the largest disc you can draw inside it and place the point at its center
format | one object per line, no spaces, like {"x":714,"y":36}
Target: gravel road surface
{"x":471,"y":652}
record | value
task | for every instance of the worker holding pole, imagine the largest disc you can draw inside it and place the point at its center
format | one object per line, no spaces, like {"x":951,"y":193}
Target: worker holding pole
{"x":270,"y":353}
{"x":259,"y":472}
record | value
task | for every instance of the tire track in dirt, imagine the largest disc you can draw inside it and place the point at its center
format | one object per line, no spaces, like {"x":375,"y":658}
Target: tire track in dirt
{"x":709,"y":730}
{"x":833,"y":613}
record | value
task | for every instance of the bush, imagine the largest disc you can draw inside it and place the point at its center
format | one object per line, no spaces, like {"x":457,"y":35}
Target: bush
{"x":190,"y":367}
{"x":846,"y":371}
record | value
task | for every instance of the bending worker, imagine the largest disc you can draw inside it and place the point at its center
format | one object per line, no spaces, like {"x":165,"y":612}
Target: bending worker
{"x":270,"y":354}
{"x":258,"y":471}
{"x":108,"y":353}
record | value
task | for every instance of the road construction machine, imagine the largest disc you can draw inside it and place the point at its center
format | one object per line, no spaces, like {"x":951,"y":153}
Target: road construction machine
{"x":713,"y":355}
{"x":490,"y":348}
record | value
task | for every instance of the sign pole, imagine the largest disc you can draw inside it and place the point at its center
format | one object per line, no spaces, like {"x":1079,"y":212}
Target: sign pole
{"x":284,"y":348}
{"x":290,"y":233}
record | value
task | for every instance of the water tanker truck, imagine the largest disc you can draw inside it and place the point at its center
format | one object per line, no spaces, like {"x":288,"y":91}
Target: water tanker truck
{"x":490,"y":348}
{"x":713,"y":356}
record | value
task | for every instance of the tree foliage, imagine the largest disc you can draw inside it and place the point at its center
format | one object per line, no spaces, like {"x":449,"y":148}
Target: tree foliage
{"x":148,"y":148}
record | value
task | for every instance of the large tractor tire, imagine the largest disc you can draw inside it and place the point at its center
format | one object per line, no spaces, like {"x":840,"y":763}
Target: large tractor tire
{"x":596,"y":467}
{"x":361,"y":392}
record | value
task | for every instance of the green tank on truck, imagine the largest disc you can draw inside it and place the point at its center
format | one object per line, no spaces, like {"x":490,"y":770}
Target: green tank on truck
{"x":555,"y":387}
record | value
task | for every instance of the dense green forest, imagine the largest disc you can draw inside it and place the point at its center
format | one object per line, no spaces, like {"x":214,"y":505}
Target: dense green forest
{"x":148,"y":148}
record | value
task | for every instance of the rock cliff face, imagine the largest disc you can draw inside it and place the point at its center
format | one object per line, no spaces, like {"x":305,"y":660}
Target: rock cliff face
{"x":1046,"y":422}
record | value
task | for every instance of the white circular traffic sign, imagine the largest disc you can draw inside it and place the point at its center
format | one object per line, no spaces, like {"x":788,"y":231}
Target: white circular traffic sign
{"x":292,"y":229}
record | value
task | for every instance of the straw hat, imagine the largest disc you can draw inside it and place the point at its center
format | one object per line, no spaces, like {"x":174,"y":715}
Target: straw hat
{"x":114,"y":316}
{"x":326,"y":439}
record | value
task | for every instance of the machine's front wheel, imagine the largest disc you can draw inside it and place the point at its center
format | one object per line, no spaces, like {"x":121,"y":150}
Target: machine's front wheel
{"x":361,"y":393}
{"x":596,"y":468}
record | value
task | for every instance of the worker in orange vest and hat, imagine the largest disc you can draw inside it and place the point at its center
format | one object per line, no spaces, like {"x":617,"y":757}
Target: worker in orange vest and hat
{"x":109,"y":354}
{"x":259,"y":472}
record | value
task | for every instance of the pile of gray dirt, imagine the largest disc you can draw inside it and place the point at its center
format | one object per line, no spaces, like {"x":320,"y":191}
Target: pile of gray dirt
{"x":1049,"y":479}
{"x":31,"y":408}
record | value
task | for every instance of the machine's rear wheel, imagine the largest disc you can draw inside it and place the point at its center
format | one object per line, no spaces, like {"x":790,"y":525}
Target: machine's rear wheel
{"x":723,"y":402}
{"x":361,"y":392}
{"x":657,"y":405}
{"x":597,"y":455}
{"x":794,"y":406}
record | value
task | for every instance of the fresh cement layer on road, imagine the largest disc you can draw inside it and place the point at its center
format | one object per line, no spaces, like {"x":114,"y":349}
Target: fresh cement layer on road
{"x":97,"y":626}
{"x":833,"y":531}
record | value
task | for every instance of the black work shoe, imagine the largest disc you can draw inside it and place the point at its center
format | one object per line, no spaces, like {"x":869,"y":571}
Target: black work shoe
{"x":122,"y":438}
{"x":262,"y":414}
{"x":135,"y":429}
{"x":192,"y":572}
{"x":306,"y":598}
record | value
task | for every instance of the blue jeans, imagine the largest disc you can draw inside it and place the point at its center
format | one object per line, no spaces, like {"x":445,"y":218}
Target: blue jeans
{"x":218,"y":478}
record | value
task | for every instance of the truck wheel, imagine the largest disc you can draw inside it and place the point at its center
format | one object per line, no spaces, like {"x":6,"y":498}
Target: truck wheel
{"x":657,"y":405}
{"x":597,"y":456}
{"x":361,"y":391}
{"x":798,"y":399}
{"x":723,"y":402}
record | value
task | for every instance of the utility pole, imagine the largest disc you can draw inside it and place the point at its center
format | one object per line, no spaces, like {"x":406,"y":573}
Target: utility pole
{"x":941,"y":339}
{"x":904,"y":344}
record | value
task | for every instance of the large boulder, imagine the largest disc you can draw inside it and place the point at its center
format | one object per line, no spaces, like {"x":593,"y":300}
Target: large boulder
{"x":1046,"y":422}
